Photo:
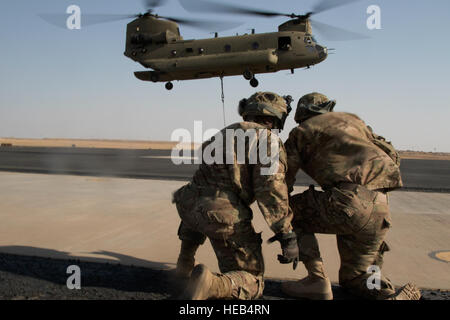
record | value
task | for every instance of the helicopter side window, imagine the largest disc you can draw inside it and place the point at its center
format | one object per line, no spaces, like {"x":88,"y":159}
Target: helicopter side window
{"x":189,"y":50}
{"x":227,"y":48}
{"x":284,"y":43}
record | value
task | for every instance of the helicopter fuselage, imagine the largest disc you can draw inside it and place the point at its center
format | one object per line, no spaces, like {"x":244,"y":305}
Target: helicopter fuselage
{"x":173,"y":58}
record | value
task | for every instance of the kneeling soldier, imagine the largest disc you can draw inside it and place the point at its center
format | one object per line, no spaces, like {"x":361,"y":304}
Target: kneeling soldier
{"x":216,"y":204}
{"x":356,"y":169}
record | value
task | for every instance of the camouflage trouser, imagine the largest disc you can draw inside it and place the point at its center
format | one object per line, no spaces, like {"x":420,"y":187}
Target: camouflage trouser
{"x":226,"y":221}
{"x":360,"y":219}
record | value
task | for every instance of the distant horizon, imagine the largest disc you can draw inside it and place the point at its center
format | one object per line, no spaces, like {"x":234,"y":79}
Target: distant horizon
{"x":167,"y":142}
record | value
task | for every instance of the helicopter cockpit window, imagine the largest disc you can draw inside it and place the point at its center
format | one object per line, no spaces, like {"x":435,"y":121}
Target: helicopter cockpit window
{"x":314,"y":39}
{"x":284,"y":43}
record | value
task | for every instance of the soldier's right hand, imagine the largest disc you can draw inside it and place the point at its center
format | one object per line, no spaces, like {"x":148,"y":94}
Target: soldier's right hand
{"x":289,"y":248}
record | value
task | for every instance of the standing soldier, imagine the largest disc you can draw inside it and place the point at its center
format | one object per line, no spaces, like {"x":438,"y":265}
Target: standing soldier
{"x":356,"y":169}
{"x":216,"y":204}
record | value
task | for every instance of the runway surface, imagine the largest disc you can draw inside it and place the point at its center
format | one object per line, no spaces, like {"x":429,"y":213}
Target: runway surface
{"x":424,"y":175}
{"x":98,"y":222}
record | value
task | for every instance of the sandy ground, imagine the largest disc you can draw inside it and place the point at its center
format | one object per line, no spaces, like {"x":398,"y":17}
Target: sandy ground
{"x":424,"y":155}
{"x":133,"y":222}
{"x":82,"y":143}
{"x":160,"y":145}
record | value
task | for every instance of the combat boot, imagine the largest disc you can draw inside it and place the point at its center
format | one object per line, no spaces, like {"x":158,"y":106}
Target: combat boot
{"x":186,"y":259}
{"x":205,"y":285}
{"x":408,"y":292}
{"x":316,"y":286}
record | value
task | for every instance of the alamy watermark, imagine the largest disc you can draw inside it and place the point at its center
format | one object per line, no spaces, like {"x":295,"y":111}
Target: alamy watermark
{"x":374,"y":20}
{"x":73,"y":22}
{"x":229,"y":146}
{"x":74,"y":280}
{"x":374,"y":281}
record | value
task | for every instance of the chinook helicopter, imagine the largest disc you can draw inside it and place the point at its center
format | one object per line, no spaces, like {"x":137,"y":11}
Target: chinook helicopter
{"x":156,"y":43}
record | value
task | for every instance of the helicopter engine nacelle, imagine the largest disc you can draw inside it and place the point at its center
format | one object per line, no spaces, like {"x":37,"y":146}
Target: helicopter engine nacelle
{"x":296,"y":25}
{"x":149,"y":30}
{"x":159,"y":38}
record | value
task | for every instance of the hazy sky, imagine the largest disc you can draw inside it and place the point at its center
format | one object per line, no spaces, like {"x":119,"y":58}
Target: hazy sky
{"x":57,"y":83}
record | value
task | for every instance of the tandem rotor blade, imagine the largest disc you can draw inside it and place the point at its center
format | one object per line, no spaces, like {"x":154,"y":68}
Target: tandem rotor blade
{"x":333,"y":33}
{"x":326,"y":5}
{"x":214,"y":7}
{"x":150,"y":4}
{"x":60,"y":20}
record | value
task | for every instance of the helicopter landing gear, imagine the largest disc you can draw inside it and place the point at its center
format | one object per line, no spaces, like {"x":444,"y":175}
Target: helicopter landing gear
{"x":254,"y":82}
{"x":248,"y":75}
{"x":169,"y":85}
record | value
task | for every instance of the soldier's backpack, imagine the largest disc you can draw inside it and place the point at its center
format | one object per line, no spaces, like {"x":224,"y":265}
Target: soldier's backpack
{"x":386,"y":146}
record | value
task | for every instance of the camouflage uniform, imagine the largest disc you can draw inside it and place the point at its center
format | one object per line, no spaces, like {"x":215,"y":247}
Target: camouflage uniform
{"x":216,"y":204}
{"x":348,"y":161}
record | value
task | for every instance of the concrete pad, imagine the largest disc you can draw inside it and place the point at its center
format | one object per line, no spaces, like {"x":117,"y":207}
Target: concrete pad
{"x":134,"y":222}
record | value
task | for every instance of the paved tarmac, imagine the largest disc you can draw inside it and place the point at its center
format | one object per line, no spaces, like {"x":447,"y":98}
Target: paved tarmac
{"x":420,"y":175}
{"x":133,"y":222}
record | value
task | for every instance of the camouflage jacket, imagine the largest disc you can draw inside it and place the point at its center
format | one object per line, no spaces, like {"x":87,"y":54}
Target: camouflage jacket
{"x":339,"y":147}
{"x":243,"y":175}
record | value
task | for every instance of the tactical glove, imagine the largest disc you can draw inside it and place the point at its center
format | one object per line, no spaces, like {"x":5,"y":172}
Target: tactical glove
{"x":289,"y":248}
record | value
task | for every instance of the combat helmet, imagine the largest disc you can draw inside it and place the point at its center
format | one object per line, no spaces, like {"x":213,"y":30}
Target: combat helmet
{"x":266,"y":104}
{"x":313,"y":104}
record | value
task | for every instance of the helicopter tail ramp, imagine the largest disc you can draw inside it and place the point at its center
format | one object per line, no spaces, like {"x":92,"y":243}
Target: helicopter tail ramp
{"x":226,"y":64}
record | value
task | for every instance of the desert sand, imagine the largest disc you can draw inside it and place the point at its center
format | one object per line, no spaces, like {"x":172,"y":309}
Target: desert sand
{"x":159,"y":145}
{"x":85,"y":143}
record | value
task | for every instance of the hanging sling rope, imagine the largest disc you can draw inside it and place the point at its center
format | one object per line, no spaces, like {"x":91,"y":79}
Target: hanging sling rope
{"x":223,"y":101}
